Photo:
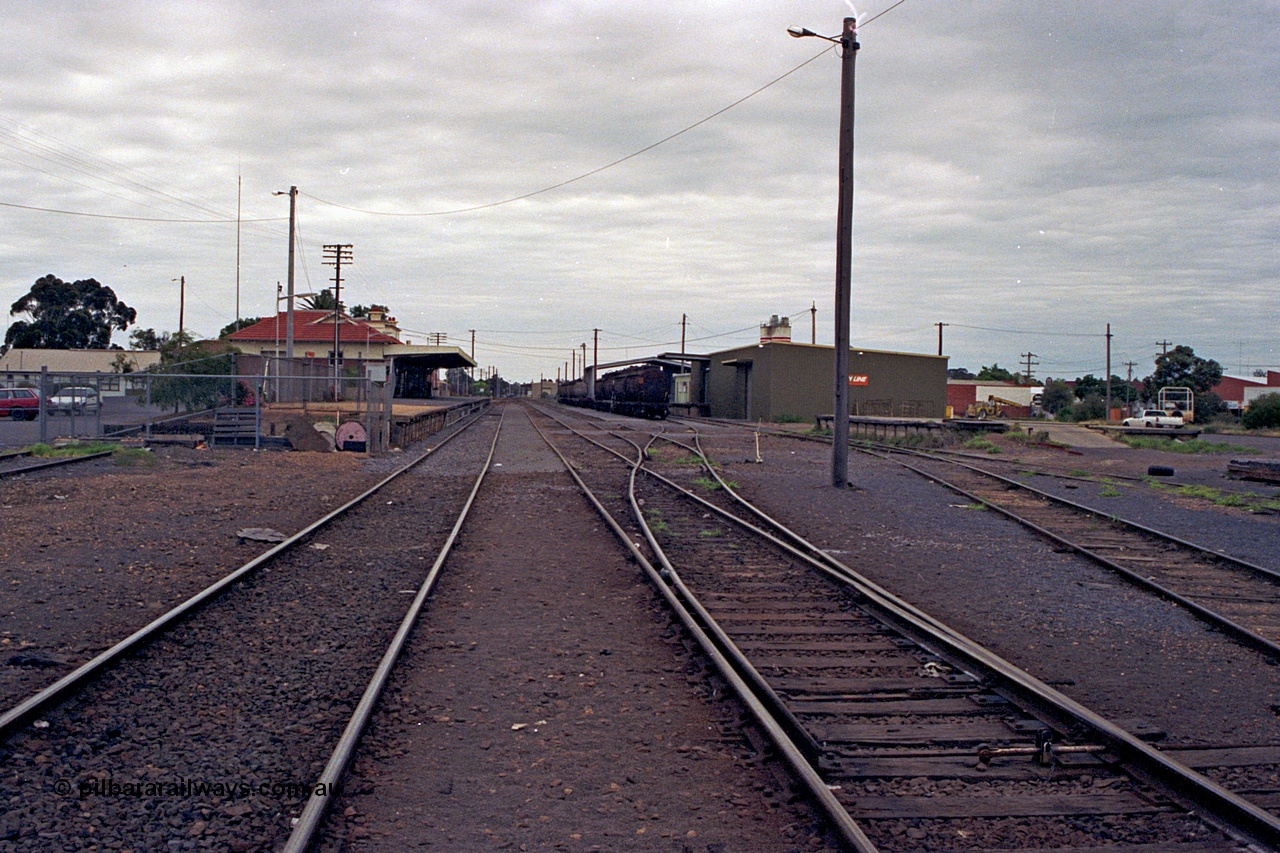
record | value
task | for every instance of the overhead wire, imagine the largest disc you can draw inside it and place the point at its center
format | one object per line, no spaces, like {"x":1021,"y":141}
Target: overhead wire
{"x":134,"y":218}
{"x":576,"y":178}
{"x":48,"y":149}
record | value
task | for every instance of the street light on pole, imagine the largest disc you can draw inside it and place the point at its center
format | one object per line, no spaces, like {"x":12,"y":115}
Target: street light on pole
{"x":848,"y":41}
{"x":182,"y":303}
{"x":293,"y":227}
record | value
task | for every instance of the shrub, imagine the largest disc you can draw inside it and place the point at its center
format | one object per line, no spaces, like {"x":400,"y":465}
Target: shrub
{"x":985,"y":444}
{"x":1263,"y":413}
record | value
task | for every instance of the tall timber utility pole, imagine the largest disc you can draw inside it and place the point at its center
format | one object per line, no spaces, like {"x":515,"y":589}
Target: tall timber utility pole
{"x":334,"y":256}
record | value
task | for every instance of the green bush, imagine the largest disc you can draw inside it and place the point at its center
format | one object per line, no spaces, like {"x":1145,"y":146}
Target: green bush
{"x":1263,"y":413}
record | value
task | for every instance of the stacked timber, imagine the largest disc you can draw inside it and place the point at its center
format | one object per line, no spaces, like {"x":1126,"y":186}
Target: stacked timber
{"x":1265,"y":470}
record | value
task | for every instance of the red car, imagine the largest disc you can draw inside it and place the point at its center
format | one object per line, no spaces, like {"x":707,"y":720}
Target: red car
{"x":19,"y":404}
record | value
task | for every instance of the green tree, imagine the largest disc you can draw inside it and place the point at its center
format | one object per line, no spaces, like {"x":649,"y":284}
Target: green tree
{"x":237,"y":325}
{"x":147,"y":339}
{"x":68,"y":315}
{"x":959,"y":373}
{"x":168,"y":344}
{"x":1181,"y":367}
{"x":1263,"y":412}
{"x":1056,"y":396}
{"x":1092,"y":407}
{"x":1090,"y":384}
{"x":362,"y":311}
{"x":1209,"y":404}
{"x":322,"y":301}
{"x":196,"y":376}
{"x":996,"y":373}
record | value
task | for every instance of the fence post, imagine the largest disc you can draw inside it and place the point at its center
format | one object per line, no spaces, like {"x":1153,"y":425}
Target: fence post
{"x":146,"y":418}
{"x":257,"y":418}
{"x":44,"y":405}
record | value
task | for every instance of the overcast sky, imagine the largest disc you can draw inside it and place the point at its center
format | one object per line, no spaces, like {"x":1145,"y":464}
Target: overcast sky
{"x":1027,"y":171}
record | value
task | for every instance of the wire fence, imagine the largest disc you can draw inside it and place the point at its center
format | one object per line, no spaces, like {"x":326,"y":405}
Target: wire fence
{"x":258,"y":401}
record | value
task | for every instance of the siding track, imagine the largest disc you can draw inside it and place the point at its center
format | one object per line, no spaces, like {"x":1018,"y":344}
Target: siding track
{"x":926,"y":740}
{"x":212,"y":724}
{"x":1234,"y":595}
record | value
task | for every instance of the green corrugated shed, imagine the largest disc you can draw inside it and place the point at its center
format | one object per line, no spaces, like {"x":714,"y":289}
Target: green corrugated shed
{"x":789,"y":381}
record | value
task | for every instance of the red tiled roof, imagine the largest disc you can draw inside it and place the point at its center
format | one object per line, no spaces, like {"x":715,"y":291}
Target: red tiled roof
{"x":312,"y":327}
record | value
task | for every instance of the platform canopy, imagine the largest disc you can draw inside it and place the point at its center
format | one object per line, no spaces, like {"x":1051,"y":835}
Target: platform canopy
{"x":428,"y":358}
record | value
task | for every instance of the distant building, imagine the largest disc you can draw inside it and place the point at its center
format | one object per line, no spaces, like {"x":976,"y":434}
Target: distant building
{"x":962,"y":393}
{"x":777,"y":380}
{"x":313,"y":337}
{"x":1238,"y":392}
{"x":109,"y":367}
{"x":373,"y":342}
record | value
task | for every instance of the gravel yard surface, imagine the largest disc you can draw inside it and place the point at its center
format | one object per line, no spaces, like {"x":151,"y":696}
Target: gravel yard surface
{"x":91,"y":552}
{"x":211,"y":736}
{"x":1117,"y":650}
{"x":547,"y":702}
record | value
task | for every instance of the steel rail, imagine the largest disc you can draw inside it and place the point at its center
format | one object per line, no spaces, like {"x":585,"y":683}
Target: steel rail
{"x":1240,"y":632}
{"x":1225,"y":809}
{"x":1249,"y":637}
{"x":308,"y":822}
{"x":1141,"y":528}
{"x":1192,"y":788}
{"x":792,"y":754}
{"x":52,"y":463}
{"x":1145,"y":761}
{"x":744,"y":666}
{"x":13,"y":717}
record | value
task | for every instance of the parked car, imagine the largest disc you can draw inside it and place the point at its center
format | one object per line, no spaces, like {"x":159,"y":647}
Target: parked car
{"x":1155,"y":418}
{"x":73,"y":400}
{"x":19,"y":404}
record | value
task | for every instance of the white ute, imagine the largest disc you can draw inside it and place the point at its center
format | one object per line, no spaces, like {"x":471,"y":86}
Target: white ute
{"x":1155,"y":418}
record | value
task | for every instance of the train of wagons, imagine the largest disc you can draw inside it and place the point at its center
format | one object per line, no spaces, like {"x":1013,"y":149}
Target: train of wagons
{"x":642,"y":391}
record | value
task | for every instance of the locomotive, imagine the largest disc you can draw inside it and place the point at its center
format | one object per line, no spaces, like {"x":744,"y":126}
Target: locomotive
{"x":642,"y":391}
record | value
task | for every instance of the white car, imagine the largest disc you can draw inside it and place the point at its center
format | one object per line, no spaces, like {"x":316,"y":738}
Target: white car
{"x":73,"y":400}
{"x":1155,"y":418}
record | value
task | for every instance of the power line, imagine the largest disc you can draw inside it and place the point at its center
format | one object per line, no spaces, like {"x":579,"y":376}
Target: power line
{"x":1054,"y":334}
{"x":49,"y":149}
{"x":881,"y":14}
{"x":231,"y":221}
{"x":584,"y":175}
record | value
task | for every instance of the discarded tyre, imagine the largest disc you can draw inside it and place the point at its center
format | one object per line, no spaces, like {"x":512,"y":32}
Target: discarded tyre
{"x":1160,"y":471}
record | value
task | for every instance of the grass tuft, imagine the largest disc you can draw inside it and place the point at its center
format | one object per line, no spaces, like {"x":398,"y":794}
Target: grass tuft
{"x":1173,"y":445}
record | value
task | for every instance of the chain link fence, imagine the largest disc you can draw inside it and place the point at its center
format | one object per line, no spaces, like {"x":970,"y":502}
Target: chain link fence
{"x":230,"y":399}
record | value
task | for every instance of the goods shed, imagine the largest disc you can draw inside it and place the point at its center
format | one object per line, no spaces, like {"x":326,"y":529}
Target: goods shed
{"x":779,"y":380}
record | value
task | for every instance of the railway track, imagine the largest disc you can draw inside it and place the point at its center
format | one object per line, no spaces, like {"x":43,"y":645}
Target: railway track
{"x":1234,"y":595}
{"x":215,"y":726}
{"x":924,"y":740}
{"x":31,"y":467}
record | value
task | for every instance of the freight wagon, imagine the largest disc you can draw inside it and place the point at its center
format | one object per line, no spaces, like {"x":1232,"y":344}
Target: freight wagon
{"x":642,"y":391}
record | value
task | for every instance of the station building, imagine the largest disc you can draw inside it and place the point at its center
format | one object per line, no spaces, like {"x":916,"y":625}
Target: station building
{"x":371,"y":342}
